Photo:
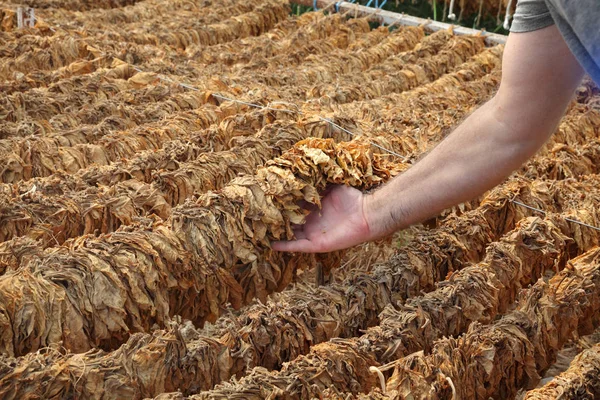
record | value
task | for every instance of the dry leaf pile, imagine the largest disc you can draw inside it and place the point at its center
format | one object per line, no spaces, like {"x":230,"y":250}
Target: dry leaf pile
{"x":31,"y":152}
{"x":288,"y":324}
{"x":64,"y":214}
{"x":43,"y":156}
{"x":405,"y":71}
{"x":209,"y":253}
{"x":28,"y":53}
{"x":180,"y":137}
{"x":427,"y":47}
{"x":563,"y":161}
{"x":290,"y":41}
{"x":133,"y":210}
{"x":580,"y":381}
{"x":28,"y":211}
{"x":147,"y":11}
{"x":498,"y":359}
{"x":252,"y":23}
{"x":78,"y":5}
{"x":327,"y":66}
{"x":314,"y":315}
{"x":122,"y":22}
{"x":480,"y":293}
{"x":55,"y":210}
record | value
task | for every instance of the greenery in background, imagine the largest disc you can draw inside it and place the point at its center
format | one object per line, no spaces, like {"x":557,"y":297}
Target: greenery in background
{"x":428,"y":9}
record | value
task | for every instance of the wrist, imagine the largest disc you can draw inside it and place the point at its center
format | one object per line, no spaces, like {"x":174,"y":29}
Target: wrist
{"x":379,"y":216}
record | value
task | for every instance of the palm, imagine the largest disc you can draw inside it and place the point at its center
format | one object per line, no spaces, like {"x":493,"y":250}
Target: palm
{"x":339,"y":224}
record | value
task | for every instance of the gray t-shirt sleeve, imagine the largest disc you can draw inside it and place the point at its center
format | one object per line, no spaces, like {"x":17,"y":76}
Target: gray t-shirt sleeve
{"x":531,"y":15}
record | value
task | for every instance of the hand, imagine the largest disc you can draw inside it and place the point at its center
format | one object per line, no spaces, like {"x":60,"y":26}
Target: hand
{"x":339,"y":224}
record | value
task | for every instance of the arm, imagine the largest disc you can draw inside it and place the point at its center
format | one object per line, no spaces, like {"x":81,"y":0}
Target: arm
{"x":539,"y":78}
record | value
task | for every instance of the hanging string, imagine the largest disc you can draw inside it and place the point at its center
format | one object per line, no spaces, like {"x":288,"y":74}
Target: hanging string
{"x":544,"y":212}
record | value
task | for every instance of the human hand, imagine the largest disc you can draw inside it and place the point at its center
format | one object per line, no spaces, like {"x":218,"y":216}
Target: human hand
{"x":340,"y":223}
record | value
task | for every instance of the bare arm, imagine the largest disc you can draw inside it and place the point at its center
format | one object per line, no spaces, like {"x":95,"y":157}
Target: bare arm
{"x":539,"y":78}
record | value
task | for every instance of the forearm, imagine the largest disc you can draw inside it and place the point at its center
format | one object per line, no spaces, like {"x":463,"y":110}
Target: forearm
{"x":539,"y":76}
{"x":477,"y":156}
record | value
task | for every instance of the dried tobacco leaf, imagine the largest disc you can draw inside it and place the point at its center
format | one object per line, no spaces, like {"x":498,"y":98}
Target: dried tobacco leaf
{"x":210,"y":253}
{"x":482,"y":291}
{"x":499,"y":359}
{"x":269,"y":334}
{"x":55,"y":210}
{"x":580,"y":381}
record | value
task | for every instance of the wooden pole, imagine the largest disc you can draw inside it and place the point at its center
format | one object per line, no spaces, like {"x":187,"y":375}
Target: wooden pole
{"x":388,"y":18}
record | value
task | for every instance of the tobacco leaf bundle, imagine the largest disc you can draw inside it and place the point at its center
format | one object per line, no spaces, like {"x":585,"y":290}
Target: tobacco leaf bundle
{"x":55,"y":51}
{"x":253,"y":23}
{"x":422,"y":320}
{"x":101,"y":53}
{"x":327,"y":66}
{"x":8,"y":20}
{"x":141,"y":11}
{"x":267,"y":335}
{"x":173,"y":153}
{"x":44,"y":156}
{"x":66,"y":95}
{"x":86,"y":123}
{"x":89,"y":73}
{"x":583,"y":126}
{"x":580,"y":381}
{"x":310,"y":161}
{"x":480,"y":292}
{"x":406,"y":330}
{"x":211,"y":171}
{"x":54,"y":210}
{"x":56,"y":218}
{"x":115,"y":172}
{"x":189,"y":17}
{"x":175,"y":186}
{"x":396,"y":75}
{"x":288,"y":36}
{"x":428,"y":46}
{"x":80,"y":5}
{"x":303,"y":46}
{"x":12,"y":252}
{"x":442,"y":113}
{"x":481,"y":68}
{"x":209,"y":253}
{"x":499,"y":359}
{"x":564,"y":161}
{"x":124,"y":202}
{"x":193,"y":176}
{"x":432,"y":256}
{"x":87,"y":107}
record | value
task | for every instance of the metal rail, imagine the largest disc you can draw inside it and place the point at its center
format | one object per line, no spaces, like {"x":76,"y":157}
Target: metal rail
{"x":388,"y":17}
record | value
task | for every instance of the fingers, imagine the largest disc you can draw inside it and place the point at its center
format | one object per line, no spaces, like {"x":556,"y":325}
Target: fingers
{"x":300,"y":234}
{"x":308,"y":206}
{"x":299,"y":246}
